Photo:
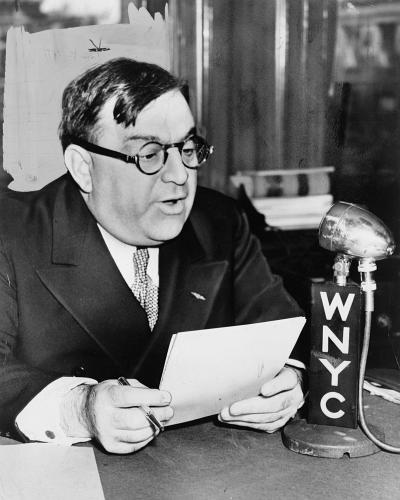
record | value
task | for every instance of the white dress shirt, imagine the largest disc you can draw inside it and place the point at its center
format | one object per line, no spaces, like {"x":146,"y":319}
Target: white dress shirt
{"x":40,"y":419}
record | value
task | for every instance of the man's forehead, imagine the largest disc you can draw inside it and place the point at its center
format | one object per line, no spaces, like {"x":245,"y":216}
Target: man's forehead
{"x":168,"y":114}
{"x":165,"y":118}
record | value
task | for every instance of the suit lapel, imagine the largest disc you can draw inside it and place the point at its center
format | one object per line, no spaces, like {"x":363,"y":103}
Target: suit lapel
{"x":85,"y":280}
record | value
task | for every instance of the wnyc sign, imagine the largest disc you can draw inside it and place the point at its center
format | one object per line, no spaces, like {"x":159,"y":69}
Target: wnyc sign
{"x":335,"y":348}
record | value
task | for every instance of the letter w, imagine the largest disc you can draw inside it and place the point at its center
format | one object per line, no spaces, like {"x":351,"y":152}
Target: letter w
{"x":329,"y":308}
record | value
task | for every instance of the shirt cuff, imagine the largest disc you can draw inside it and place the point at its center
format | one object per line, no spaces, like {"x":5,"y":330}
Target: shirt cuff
{"x":40,"y":419}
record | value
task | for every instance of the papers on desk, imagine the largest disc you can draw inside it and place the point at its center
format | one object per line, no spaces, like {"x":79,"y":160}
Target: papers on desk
{"x":377,"y":390}
{"x":41,"y":471}
{"x":206,"y":370}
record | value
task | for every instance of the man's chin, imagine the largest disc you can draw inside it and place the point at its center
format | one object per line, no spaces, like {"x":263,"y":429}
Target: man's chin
{"x":166,"y":234}
{"x":166,"y":228}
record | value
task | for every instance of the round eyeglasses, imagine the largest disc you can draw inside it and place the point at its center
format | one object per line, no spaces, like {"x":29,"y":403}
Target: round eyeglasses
{"x":152,"y":156}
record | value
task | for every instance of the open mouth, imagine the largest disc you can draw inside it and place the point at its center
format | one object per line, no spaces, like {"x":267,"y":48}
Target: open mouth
{"x":173,"y":205}
{"x":173,"y":201}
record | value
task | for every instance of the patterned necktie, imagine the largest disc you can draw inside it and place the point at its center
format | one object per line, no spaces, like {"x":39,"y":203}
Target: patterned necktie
{"x":143,"y":287}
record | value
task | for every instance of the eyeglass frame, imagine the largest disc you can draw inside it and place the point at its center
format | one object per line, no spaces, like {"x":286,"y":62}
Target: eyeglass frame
{"x":94,"y":148}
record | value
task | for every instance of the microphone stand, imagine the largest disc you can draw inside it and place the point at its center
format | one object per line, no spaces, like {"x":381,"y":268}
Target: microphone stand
{"x":312,"y":436}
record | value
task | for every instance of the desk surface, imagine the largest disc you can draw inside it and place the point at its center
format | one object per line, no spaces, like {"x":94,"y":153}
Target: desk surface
{"x":207,"y":461}
{"x":212,"y":462}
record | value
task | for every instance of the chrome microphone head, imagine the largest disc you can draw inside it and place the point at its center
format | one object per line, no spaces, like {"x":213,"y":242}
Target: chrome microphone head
{"x":354,"y":231}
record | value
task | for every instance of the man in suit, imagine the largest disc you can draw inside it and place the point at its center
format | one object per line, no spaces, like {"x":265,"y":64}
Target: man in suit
{"x":100,"y":268}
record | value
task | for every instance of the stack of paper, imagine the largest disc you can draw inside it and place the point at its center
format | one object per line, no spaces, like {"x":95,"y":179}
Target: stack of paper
{"x":298,"y":212}
{"x":377,"y":390}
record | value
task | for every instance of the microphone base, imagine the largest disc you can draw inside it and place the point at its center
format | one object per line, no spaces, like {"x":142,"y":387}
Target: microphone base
{"x":329,"y":441}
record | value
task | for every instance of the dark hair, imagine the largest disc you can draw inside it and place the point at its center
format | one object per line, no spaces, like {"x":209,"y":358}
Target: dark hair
{"x":135,"y":84}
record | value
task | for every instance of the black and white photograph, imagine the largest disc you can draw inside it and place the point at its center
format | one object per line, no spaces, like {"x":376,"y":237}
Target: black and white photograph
{"x":199,"y":249}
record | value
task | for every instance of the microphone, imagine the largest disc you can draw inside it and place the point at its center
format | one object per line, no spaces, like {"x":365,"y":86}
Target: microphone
{"x":354,"y":231}
{"x":337,"y":371}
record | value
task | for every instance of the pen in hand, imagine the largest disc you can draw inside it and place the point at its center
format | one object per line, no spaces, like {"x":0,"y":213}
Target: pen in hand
{"x":146,"y":409}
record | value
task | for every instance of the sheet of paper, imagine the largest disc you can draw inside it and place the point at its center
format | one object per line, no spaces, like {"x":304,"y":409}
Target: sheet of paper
{"x":39,"y":471}
{"x":206,"y":370}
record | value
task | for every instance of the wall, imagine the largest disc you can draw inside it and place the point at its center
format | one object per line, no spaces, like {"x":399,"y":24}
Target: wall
{"x":28,"y":15}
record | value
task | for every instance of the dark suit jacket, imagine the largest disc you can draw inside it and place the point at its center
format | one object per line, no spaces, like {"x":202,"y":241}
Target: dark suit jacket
{"x":66,"y":310}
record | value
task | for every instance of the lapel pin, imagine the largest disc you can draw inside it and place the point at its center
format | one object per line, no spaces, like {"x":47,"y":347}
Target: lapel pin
{"x":198,"y":296}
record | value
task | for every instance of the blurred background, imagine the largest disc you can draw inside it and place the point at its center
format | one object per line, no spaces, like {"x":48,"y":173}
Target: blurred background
{"x":300,"y":99}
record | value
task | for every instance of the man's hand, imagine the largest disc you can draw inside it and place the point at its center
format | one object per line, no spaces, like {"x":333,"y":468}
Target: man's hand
{"x":279,"y":400}
{"x":109,"y":412}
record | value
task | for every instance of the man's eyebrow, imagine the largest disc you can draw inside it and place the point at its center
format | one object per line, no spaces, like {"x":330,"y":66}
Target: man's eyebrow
{"x":136,"y":137}
{"x":151,"y":138}
{"x":192,"y":131}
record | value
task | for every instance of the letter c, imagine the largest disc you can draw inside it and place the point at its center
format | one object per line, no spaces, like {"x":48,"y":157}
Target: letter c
{"x":325,"y":398}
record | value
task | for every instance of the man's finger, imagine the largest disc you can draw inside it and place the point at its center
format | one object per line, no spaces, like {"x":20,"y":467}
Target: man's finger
{"x":121,"y":447}
{"x":256,"y":418}
{"x":286,"y":379}
{"x":133,"y":382}
{"x":261,"y":404}
{"x":135,"y":418}
{"x":125,"y":396}
{"x":137,"y":436}
{"x":265,"y":426}
{"x":278,"y":424}
{"x":163,"y":414}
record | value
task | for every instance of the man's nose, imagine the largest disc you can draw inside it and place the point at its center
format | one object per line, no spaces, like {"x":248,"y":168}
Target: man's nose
{"x":174,"y":170}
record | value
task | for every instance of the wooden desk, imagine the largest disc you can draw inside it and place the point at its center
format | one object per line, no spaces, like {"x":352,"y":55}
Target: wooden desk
{"x":211,"y":462}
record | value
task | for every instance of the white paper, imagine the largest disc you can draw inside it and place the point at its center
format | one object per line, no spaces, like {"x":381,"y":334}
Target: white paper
{"x":40,"y":65}
{"x":206,"y":370}
{"x":38,"y":471}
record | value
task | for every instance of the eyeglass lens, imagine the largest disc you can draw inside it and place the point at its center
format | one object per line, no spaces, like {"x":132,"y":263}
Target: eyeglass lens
{"x":193,"y":152}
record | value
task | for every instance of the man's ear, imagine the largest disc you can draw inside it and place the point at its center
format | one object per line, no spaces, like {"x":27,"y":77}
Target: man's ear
{"x":79,"y":163}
